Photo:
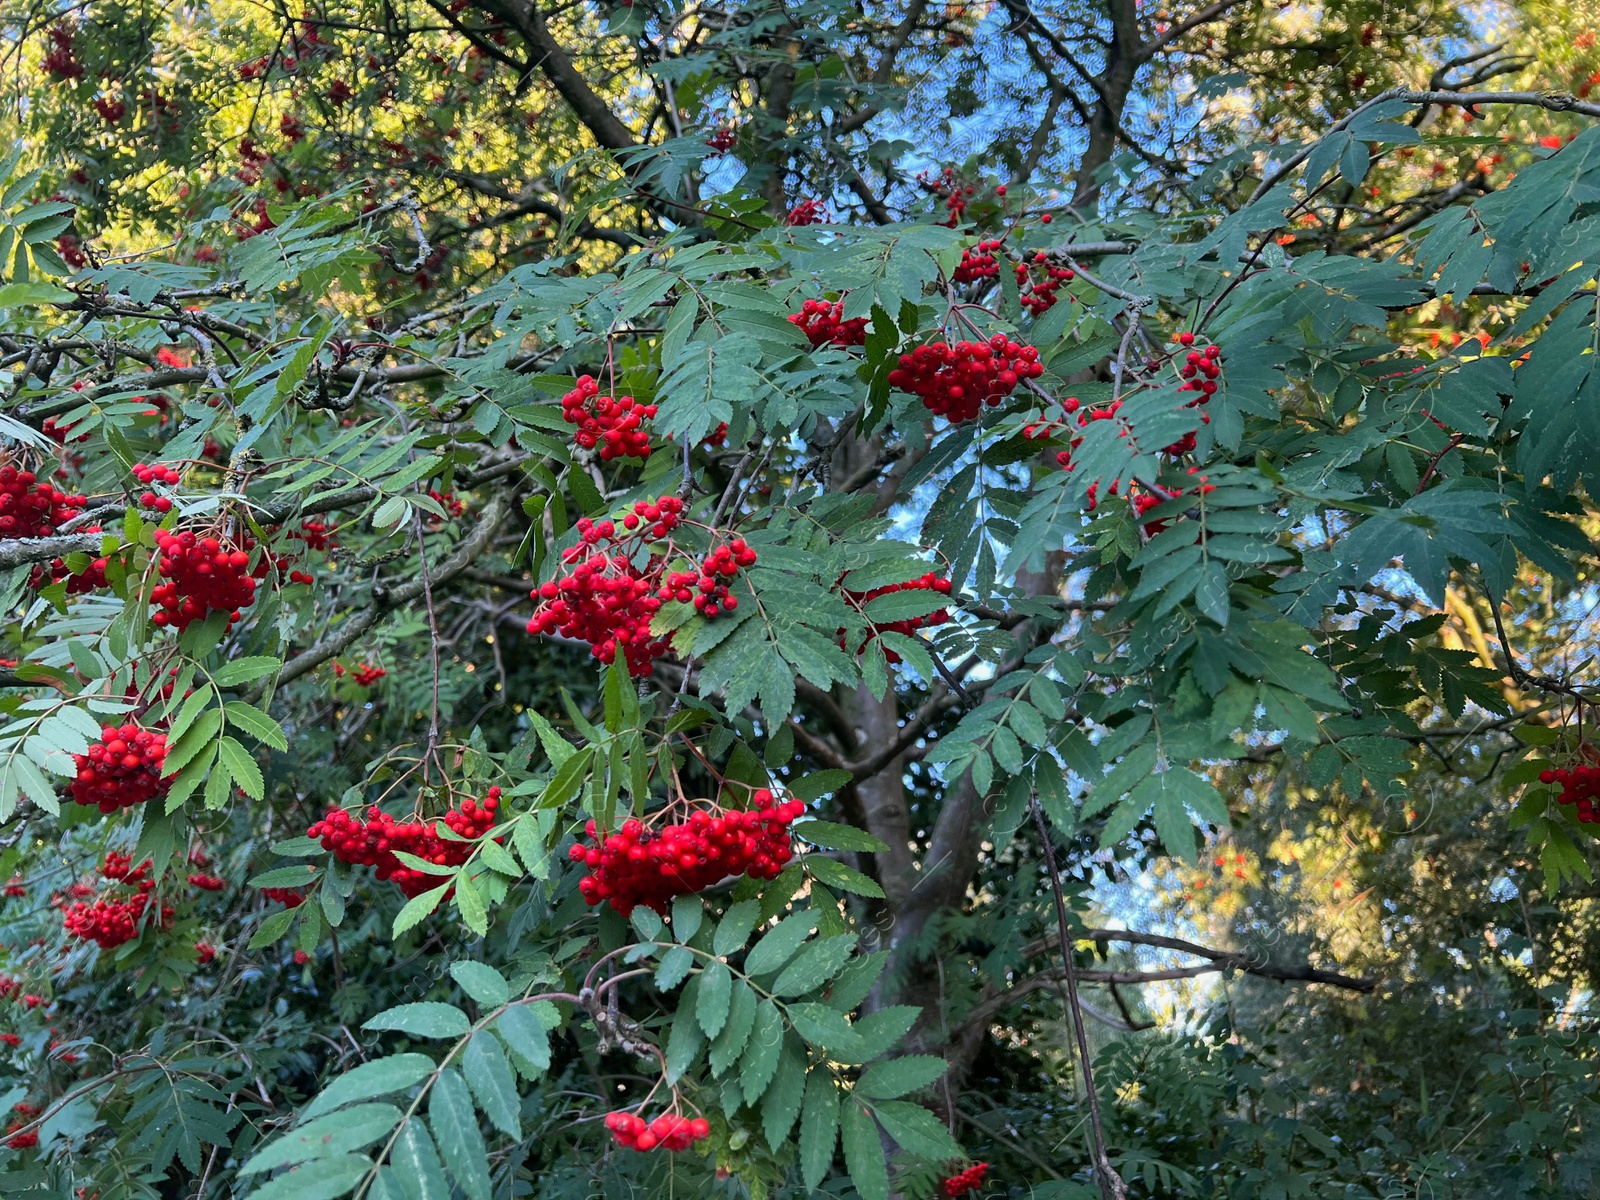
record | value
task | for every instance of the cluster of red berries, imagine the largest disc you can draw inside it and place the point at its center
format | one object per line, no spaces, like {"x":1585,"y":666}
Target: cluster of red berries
{"x":30,"y":509}
{"x":203,"y":576}
{"x":148,"y":473}
{"x":288,"y":897}
{"x":640,"y":865}
{"x":122,"y":769}
{"x":15,"y":889}
{"x":708,"y":587}
{"x":668,"y":1131}
{"x":1038,"y":295}
{"x":823,"y":324}
{"x":969,"y":1180}
{"x":365,"y":675}
{"x":955,"y":382}
{"x":722,"y":138}
{"x":606,"y":600}
{"x":110,"y":922}
{"x":21,"y":1141}
{"x":110,"y":109}
{"x":314,"y":534}
{"x":613,"y":423}
{"x":374,"y":842}
{"x":978,"y":262}
{"x":806,"y":212}
{"x":59,"y":61}
{"x":1580,"y":786}
{"x":204,"y":952}
{"x":951,"y":190}
{"x":1200,"y":367}
{"x":858,"y":600}
{"x":207,"y":883}
{"x":448,"y":502}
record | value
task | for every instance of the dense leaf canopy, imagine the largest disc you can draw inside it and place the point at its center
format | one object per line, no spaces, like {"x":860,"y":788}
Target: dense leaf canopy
{"x":899,"y":600}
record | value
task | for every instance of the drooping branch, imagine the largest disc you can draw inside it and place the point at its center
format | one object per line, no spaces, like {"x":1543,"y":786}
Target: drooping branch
{"x":386,"y":599}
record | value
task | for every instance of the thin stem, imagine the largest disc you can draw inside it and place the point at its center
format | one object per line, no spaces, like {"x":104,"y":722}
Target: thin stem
{"x":1111,"y":1185}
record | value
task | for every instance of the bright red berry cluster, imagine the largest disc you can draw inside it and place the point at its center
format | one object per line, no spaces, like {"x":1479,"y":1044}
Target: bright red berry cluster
{"x":858,"y":601}
{"x":806,"y":212}
{"x":668,"y":1131}
{"x":955,"y":382}
{"x":613,"y":423}
{"x":823,"y":324}
{"x":204,"y":952}
{"x":30,"y":509}
{"x":1580,"y":786}
{"x":1038,"y":292}
{"x":365,"y":675}
{"x":203,"y":575}
{"x":59,"y":61}
{"x":288,"y":897}
{"x":122,"y":769}
{"x":722,"y":138}
{"x":708,"y":586}
{"x":373,"y":842}
{"x":642,"y":865}
{"x":207,"y":883}
{"x":1200,"y":367}
{"x":15,"y":888}
{"x":149,"y":473}
{"x":606,"y":600}
{"x":111,"y":921}
{"x":30,"y":1139}
{"x":966,"y":1181}
{"x":978,"y":262}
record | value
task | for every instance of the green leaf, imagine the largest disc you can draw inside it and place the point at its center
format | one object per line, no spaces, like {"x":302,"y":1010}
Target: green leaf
{"x":527,"y":1039}
{"x":711,"y":1000}
{"x":243,"y":670}
{"x":426,"y":1018}
{"x":894,"y":1077}
{"x":323,"y":1179}
{"x":675,"y":966}
{"x":489,"y":1075}
{"x":819,"y":1126}
{"x":839,"y":837}
{"x":416,"y":1163}
{"x":242,"y":767}
{"x":686,"y":1041}
{"x":379,"y":1077}
{"x":687,"y":914}
{"x":835,"y":874}
{"x":814,"y":966}
{"x":455,"y":1129}
{"x":418,"y":909}
{"x":863,"y":1152}
{"x":760,"y":1061}
{"x":735,"y":927}
{"x":470,"y":904}
{"x":780,"y":1104}
{"x":1211,"y":593}
{"x":336,"y":1133}
{"x":729,"y":1044}
{"x":826,"y":1029}
{"x":777,"y":946}
{"x":917,"y":1130}
{"x":256,"y":723}
{"x":482,"y":982}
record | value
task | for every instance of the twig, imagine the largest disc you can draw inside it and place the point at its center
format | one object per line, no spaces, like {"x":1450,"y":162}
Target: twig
{"x":1111,"y":1185}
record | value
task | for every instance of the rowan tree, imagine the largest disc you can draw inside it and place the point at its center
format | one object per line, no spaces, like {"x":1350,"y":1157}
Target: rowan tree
{"x":595,"y":599}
